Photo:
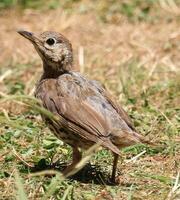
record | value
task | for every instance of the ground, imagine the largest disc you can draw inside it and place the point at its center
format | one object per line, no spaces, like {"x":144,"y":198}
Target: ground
{"x":133,"y":50}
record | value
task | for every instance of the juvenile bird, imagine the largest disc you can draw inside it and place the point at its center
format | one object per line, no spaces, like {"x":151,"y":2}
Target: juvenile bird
{"x":87,"y":113}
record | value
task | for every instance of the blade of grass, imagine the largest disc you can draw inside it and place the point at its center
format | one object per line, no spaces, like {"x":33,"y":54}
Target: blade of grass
{"x":175,"y":187}
{"x":134,"y":159}
{"x":70,"y":187}
{"x":52,"y":187}
{"x":85,"y":159}
{"x":21,"y":195}
{"x":21,"y":159}
{"x":162,"y":179}
{"x":59,"y":178}
{"x":30,"y":101}
{"x":130,"y":197}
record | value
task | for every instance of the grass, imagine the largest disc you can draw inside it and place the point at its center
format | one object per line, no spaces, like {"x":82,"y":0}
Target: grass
{"x":137,"y":61}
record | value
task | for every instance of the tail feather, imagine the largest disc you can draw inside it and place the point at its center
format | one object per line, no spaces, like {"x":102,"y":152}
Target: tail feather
{"x":125,"y":138}
{"x":109,"y":145}
{"x":142,"y":139}
{"x":122,"y":139}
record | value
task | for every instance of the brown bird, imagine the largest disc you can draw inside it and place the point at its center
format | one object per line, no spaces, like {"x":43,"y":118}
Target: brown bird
{"x":87,"y":113}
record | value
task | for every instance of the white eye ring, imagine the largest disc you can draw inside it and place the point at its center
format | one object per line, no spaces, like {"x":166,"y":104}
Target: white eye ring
{"x":50,"y":41}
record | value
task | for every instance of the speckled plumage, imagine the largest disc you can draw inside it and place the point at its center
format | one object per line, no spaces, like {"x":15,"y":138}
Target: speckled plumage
{"x":87,"y":113}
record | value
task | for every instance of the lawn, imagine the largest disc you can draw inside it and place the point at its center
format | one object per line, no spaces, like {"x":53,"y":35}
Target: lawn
{"x":132,"y":48}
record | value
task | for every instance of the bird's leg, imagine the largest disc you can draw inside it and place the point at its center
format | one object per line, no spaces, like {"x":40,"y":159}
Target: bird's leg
{"x":76,"y":157}
{"x":115,"y":162}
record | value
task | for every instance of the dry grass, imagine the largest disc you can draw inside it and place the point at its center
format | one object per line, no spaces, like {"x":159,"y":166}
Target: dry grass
{"x":137,"y":61}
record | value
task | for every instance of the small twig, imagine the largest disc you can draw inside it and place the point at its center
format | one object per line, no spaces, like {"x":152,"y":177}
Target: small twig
{"x":168,"y":120}
{"x":32,"y":91}
{"x":152,"y":70}
{"x":5,"y":114}
{"x":3,"y":94}
{"x":175,"y":187}
{"x":21,"y":159}
{"x":44,"y":173}
{"x":167,"y":61}
{"x":134,"y":159}
{"x":81,"y":59}
{"x":7,"y":73}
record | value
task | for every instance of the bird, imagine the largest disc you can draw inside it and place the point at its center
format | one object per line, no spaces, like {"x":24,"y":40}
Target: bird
{"x":86,"y":112}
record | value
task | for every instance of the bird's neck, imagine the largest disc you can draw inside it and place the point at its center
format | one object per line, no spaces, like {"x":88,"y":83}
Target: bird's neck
{"x":55,"y":70}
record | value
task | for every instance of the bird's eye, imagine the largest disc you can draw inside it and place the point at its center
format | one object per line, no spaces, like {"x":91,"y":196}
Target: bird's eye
{"x":50,"y":41}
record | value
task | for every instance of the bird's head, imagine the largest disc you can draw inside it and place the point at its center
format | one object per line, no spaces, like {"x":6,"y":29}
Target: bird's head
{"x":54,"y":49}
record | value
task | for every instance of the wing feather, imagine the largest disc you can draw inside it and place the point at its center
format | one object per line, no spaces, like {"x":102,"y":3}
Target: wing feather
{"x":75,"y":115}
{"x":122,"y":113}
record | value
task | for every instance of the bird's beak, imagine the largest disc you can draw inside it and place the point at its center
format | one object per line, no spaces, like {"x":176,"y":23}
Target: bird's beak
{"x":29,"y":35}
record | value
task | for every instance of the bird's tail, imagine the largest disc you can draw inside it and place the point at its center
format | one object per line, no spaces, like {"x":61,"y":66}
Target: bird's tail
{"x":142,"y":139}
{"x":124,"y":138}
{"x":120,"y":139}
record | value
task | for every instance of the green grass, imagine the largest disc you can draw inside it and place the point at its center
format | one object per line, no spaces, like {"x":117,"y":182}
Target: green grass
{"x":32,"y":158}
{"x":25,"y":136}
{"x":107,"y":11}
{"x":39,"y":4}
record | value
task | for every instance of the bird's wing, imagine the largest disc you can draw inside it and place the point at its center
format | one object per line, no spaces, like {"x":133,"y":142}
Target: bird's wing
{"x":75,"y":113}
{"x":123,"y":114}
{"x":124,"y":137}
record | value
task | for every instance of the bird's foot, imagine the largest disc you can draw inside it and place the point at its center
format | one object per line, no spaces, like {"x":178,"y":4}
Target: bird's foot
{"x":114,"y":180}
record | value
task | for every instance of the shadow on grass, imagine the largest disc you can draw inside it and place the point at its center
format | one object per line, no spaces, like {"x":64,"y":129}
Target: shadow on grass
{"x":88,"y":174}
